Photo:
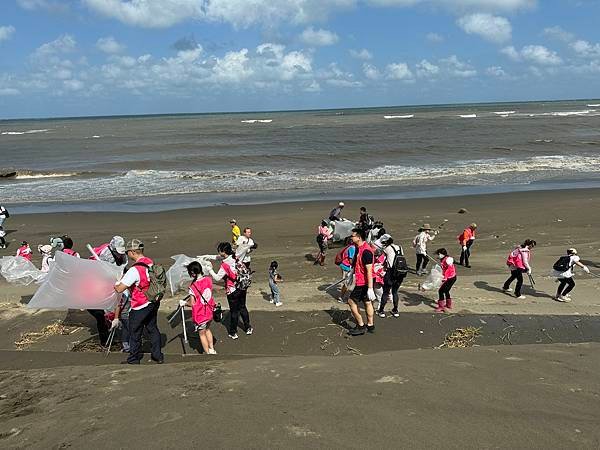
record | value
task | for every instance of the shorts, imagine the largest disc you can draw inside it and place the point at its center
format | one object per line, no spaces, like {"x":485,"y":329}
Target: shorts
{"x":203,"y":326}
{"x":359,"y":294}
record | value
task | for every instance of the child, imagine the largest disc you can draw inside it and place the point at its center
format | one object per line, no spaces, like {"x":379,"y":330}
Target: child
{"x":203,"y":305}
{"x":448,"y":280}
{"x":121,"y":320}
{"x":274,"y":278}
{"x":46,"y":252}
{"x":563,"y":271}
{"x":24,"y":251}
{"x":323,"y":236}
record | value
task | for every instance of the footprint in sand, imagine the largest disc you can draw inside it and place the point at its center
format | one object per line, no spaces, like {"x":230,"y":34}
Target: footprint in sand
{"x":392,"y":379}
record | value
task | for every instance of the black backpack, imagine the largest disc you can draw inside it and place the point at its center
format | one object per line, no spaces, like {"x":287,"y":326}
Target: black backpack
{"x":562,"y":264}
{"x":399,"y":266}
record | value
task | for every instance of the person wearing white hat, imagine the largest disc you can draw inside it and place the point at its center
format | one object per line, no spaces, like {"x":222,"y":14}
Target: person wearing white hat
{"x":112,"y":252}
{"x":420,"y":245}
{"x":563,"y":271}
{"x":336,"y":213}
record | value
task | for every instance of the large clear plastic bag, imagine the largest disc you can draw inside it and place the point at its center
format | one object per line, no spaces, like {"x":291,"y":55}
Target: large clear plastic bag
{"x":434,"y":279}
{"x":177,"y":275}
{"x":75,"y":283}
{"x":19,"y":270}
{"x":342,"y":229}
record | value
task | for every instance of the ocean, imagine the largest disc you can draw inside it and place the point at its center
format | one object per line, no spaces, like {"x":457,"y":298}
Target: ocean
{"x":151,"y":163}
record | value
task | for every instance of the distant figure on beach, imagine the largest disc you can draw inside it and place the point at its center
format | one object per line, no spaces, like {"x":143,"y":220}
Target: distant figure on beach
{"x":274,"y":280}
{"x":336,"y":213}
{"x":244,"y":246}
{"x":518,"y":263}
{"x":466,"y":240}
{"x":395,"y":272}
{"x":144,"y":312}
{"x":24,"y":251}
{"x":344,"y":260}
{"x":448,"y":280}
{"x":365,"y":221}
{"x":4,"y":214}
{"x":420,"y":244}
{"x":563,"y":270}
{"x":363,"y":290}
{"x":323,"y":236}
{"x":235,"y":231}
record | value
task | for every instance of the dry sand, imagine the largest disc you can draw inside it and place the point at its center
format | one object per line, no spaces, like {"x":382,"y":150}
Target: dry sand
{"x":304,"y":384}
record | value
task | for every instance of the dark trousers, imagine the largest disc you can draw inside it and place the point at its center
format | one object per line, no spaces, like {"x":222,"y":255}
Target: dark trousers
{"x":568,"y":282}
{"x":391,"y":287}
{"x":516,"y":274}
{"x":466,"y":254}
{"x":444,"y":291}
{"x":422,"y":260}
{"x":237,"y":308}
{"x":103,"y":329}
{"x":138,"y":320}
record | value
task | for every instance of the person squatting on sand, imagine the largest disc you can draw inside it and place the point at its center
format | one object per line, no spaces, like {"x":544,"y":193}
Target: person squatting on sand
{"x":323,"y":236}
{"x":274,"y":279}
{"x":448,"y":280}
{"x":203,"y":305}
{"x":420,"y":245}
{"x":395,"y":272}
{"x":563,"y":270}
{"x":466,"y":239}
{"x":363,"y":290}
{"x":236,"y":297}
{"x":518,"y":263}
{"x":143,"y":314}
{"x":24,"y":251}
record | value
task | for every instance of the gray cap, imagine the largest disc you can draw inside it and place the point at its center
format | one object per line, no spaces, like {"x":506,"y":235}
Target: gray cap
{"x":135,"y":244}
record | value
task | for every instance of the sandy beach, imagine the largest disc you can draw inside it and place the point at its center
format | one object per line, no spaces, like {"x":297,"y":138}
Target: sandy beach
{"x":299,"y":377}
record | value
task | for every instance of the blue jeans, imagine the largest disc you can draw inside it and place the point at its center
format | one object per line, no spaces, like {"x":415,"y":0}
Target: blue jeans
{"x":274,"y":291}
{"x":2,"y":219}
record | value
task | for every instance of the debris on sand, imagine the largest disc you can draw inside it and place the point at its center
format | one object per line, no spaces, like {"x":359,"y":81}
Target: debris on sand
{"x":88,"y":346}
{"x":55,"y":329}
{"x":461,"y":338}
{"x":463,"y":211}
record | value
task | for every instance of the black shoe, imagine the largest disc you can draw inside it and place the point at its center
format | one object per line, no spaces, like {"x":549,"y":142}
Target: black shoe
{"x":158,"y":361}
{"x":395,"y":313}
{"x":371,"y":329}
{"x":358,"y":331}
{"x":130,"y":362}
{"x":468,"y":266}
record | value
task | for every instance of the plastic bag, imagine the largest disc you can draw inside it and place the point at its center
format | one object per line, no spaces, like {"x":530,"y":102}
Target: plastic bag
{"x":434,"y":279}
{"x":342,"y":229}
{"x":17,"y":269}
{"x":75,"y":283}
{"x":177,"y":275}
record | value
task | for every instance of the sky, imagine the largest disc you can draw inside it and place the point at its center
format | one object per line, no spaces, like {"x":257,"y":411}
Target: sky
{"x":109,"y":57}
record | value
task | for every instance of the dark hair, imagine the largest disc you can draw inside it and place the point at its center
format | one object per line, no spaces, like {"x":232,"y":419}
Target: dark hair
{"x":529,"y":243}
{"x":323,"y":223}
{"x":24,"y":243}
{"x":381,"y":232}
{"x":362,"y":208}
{"x":442,"y":251}
{"x":194,"y":269}
{"x":360,"y":233}
{"x":67,"y":242}
{"x":389,"y":241}
{"x":348,"y":241}
{"x":274,"y":265}
{"x":225,"y":247}
{"x":247,"y":228}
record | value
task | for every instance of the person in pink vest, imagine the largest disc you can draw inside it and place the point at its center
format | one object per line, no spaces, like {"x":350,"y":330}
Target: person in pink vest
{"x":466,"y":240}
{"x":323,"y":237}
{"x":448,"y":280}
{"x":112,"y":252}
{"x":519,"y":262}
{"x":363,"y":276}
{"x":24,"y":251}
{"x":143,"y":313}
{"x":203,"y":305}
{"x":68,"y":246}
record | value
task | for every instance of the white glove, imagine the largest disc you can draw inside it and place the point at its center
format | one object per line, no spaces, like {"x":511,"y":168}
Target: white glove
{"x":586,"y":269}
{"x":116,"y":323}
{"x":371,"y":294}
{"x":465,"y":248}
{"x":206,"y":266}
{"x":182,"y":303}
{"x":528,"y":271}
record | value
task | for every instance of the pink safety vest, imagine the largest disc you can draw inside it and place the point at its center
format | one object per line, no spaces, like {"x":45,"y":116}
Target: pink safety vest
{"x":360,"y":271}
{"x":98,"y":250}
{"x":24,"y":252}
{"x":230,"y":278}
{"x":138,"y":291}
{"x":449,"y":271}
{"x":202,"y":309}
{"x":71,"y":252}
{"x":515,"y":258}
{"x":379,"y":269}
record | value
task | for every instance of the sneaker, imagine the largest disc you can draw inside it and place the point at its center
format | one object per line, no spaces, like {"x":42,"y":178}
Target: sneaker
{"x":395,"y":313}
{"x":381,"y":314}
{"x":278,"y":304}
{"x":233,"y":336}
{"x":507,"y":290}
{"x":211,"y":351}
{"x":563,"y":299}
{"x":271,"y":301}
{"x":521,"y":297}
{"x":249,"y":331}
{"x":371,"y":329}
{"x":358,"y":331}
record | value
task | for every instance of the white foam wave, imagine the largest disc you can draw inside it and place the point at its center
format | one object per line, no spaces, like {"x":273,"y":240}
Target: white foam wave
{"x":24,"y":132}
{"x":468,"y":116}
{"x":406,"y":116}
{"x":504,"y":113}
{"x":593,"y":105}
{"x":257,"y":121}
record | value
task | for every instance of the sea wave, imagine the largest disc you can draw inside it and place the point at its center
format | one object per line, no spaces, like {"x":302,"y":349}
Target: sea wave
{"x":34,"y":175}
{"x":11,"y":133}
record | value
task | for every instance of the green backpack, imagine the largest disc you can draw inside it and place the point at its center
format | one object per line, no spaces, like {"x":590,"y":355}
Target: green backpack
{"x":157,"y":276}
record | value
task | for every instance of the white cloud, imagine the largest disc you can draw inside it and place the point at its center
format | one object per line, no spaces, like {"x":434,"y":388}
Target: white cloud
{"x":492,"y":28}
{"x":64,"y":44}
{"x":313,"y":87}
{"x":536,"y":54}
{"x":334,"y":76}
{"x":73,"y":85}
{"x":559,"y":33}
{"x":496,"y":71}
{"x":362,"y":54}
{"x":456,"y":68}
{"x":9,"y":91}
{"x":109,"y":45}
{"x":511,"y":52}
{"x":434,"y":38}
{"x":398,"y":71}
{"x":464,"y":5}
{"x":318,"y":38}
{"x":371,"y":72}
{"x":425,"y":69}
{"x":586,"y":49}
{"x":6,"y":32}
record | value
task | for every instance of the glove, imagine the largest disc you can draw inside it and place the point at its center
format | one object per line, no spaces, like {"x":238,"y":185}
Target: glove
{"x":465,"y":248}
{"x":206,"y":266}
{"x":371,"y":294}
{"x":116,"y":323}
{"x":586,"y":269}
{"x":528,"y":271}
{"x":182,"y":303}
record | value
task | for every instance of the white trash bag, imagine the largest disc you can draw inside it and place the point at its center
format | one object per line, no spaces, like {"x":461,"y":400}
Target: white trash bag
{"x":342,"y":229}
{"x":75,"y":283}
{"x":434,"y":279}
{"x":19,"y":270}
{"x":177,"y":275}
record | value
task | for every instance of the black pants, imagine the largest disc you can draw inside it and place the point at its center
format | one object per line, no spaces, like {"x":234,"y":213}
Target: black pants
{"x":466,"y":254}
{"x":516,"y":274}
{"x":422,"y":259}
{"x":138,"y":320}
{"x":444,"y":291}
{"x":2,"y":241}
{"x":391,"y":286}
{"x":103,"y":330}
{"x":237,"y":308}
{"x":568,"y":282}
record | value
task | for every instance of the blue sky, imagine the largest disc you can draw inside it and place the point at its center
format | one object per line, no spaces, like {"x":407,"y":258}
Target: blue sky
{"x":102,"y":57}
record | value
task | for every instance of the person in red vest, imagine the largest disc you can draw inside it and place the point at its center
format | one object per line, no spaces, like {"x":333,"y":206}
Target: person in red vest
{"x":363,"y":290}
{"x":448,"y":280}
{"x":24,"y":251}
{"x":143,"y":313}
{"x":466,"y":240}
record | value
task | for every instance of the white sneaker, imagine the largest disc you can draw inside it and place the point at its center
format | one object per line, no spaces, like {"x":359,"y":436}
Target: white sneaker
{"x":212,"y":351}
{"x":562,"y":298}
{"x":249,"y":331}
{"x":271,"y":301}
{"x":233,"y":336}
{"x":521,"y":297}
{"x":278,"y":304}
{"x":507,"y":290}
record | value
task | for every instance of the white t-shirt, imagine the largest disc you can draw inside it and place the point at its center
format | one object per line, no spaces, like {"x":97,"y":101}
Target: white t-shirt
{"x":131,"y":278}
{"x":568,"y":273}
{"x":390,"y":254}
{"x":243,"y":249}
{"x":2,"y":212}
{"x":421,"y":240}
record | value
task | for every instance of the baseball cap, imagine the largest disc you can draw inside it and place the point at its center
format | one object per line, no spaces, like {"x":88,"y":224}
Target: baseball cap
{"x":135,"y":244}
{"x":233,"y":221}
{"x":118,"y":244}
{"x":341,"y":204}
